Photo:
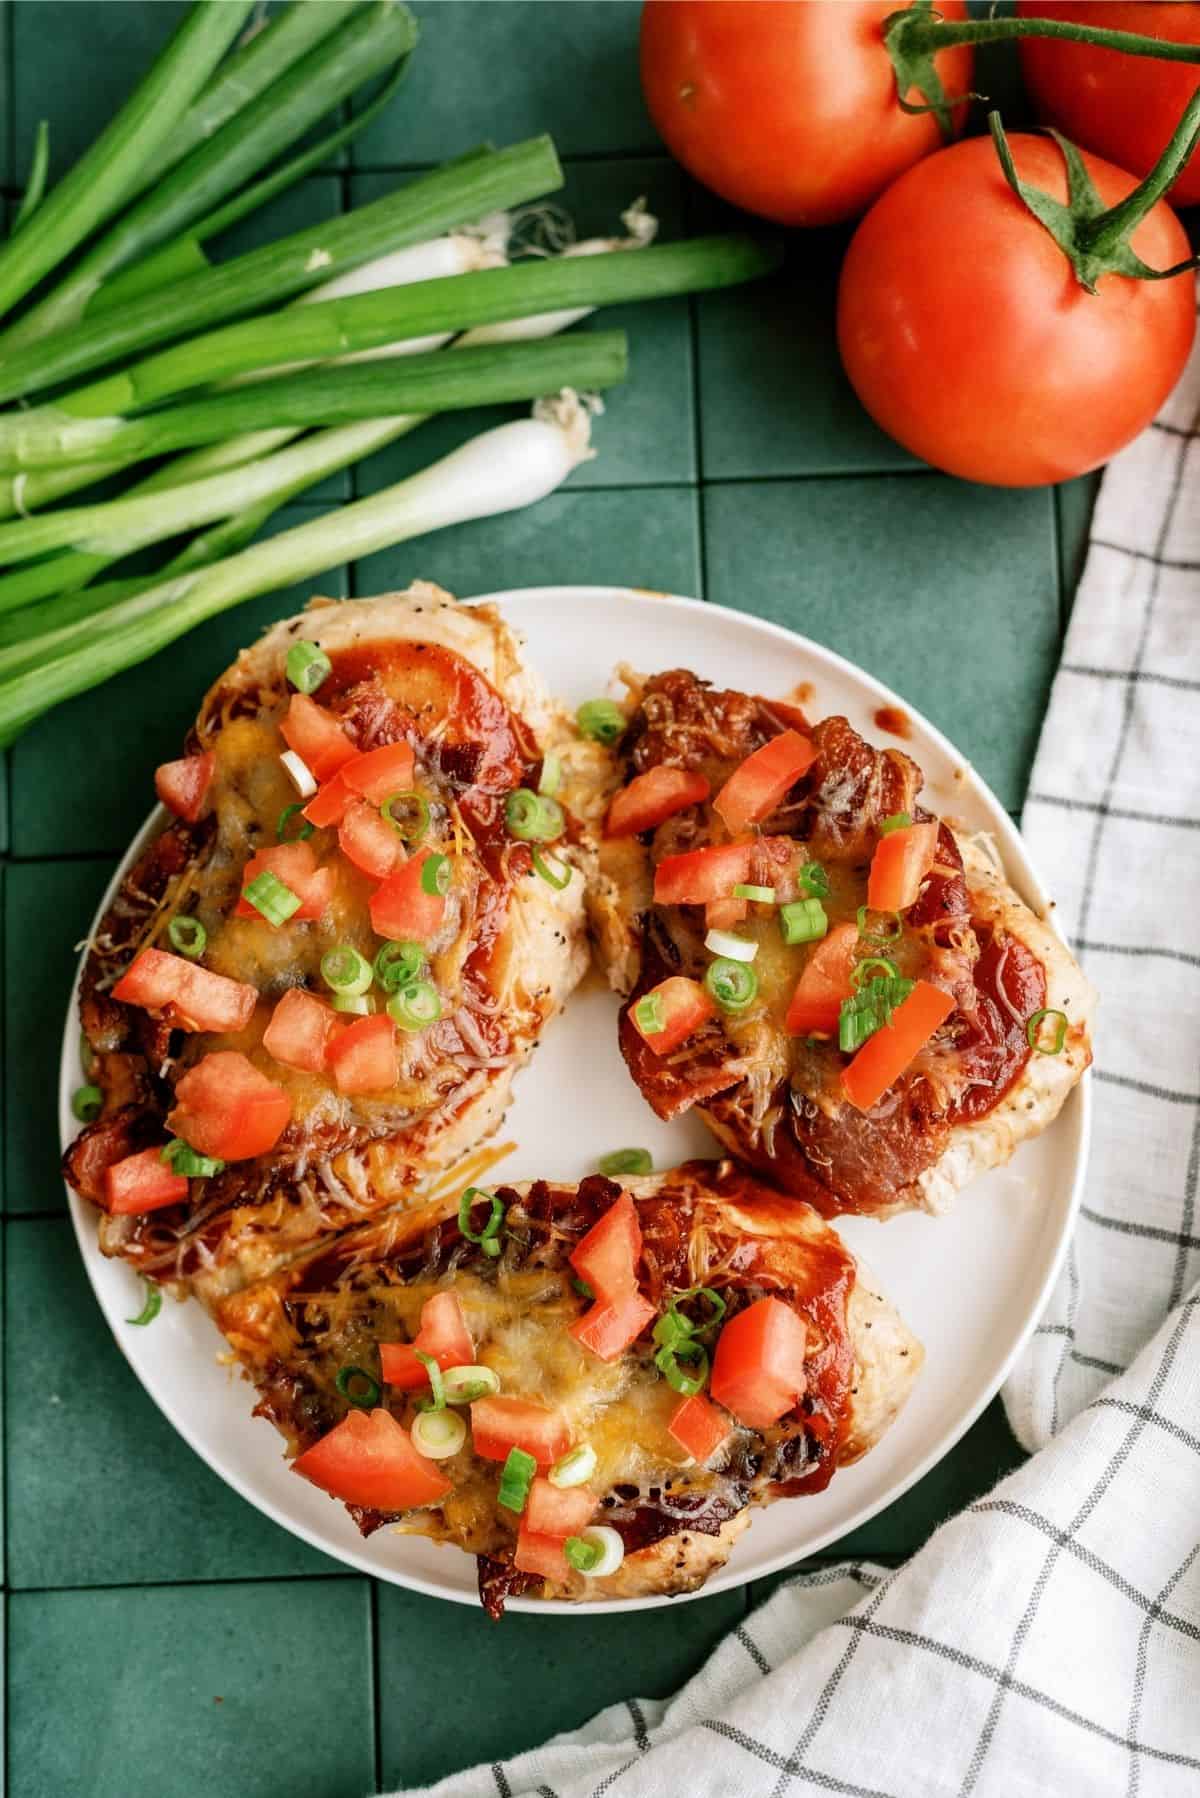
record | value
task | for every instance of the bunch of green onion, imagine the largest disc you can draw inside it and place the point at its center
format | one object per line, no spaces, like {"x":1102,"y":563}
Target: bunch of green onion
{"x":214,"y":392}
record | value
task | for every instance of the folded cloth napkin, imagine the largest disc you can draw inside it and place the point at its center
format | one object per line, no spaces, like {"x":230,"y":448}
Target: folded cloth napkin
{"x":1046,"y":1641}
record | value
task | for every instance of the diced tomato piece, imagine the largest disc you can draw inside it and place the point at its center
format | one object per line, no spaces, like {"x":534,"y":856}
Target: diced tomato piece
{"x":756,"y":788}
{"x":183,"y":785}
{"x":759,"y":1368}
{"x":541,"y":1554}
{"x":724,"y":914}
{"x":363,"y":1056}
{"x":884,"y":1056}
{"x":328,"y":805}
{"x":366,"y":837}
{"x":402,"y":910}
{"x":225,"y":1108}
{"x":698,"y":1427}
{"x":607,"y":1257}
{"x":824,"y":984}
{"x":701,"y":874}
{"x":316,"y":736}
{"x":188,"y":996}
{"x":443,"y":1334}
{"x":300,"y":1031}
{"x":683,"y":1005}
{"x":608,"y":1329}
{"x":295,"y":864}
{"x":499,"y":1423}
{"x":650,"y":797}
{"x":142,"y":1182}
{"x":551,"y":1512}
{"x":901,"y":861}
{"x":379,"y":773}
{"x":369,"y":1460}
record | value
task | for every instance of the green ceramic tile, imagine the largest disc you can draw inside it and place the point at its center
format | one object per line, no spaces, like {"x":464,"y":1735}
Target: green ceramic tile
{"x":82,"y":777}
{"x":48,"y":906}
{"x":551,"y":65}
{"x":946,"y":591}
{"x":575,"y":1665}
{"x":248,"y":1691}
{"x":642,"y":538}
{"x":1075,"y":501}
{"x":79,"y":1423}
{"x":647,"y":434}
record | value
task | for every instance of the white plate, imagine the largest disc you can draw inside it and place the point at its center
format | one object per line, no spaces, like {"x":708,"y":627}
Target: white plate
{"x":971,"y":1285}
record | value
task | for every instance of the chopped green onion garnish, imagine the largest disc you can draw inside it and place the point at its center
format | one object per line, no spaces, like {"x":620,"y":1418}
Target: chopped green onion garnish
{"x":863,"y":970}
{"x":648,"y":1015}
{"x":438,"y":1434}
{"x":760,"y":895}
{"x":897,"y":821}
{"x":488,"y":1237}
{"x":360,"y":1005}
{"x":437,"y":1386}
{"x":516,"y":1477}
{"x":189,"y":936}
{"x":671,"y":1331}
{"x":733,"y":984}
{"x":435,"y":875}
{"x":357,"y":1387}
{"x":729,"y":943}
{"x":268,"y":895}
{"x":344,"y":970}
{"x":883,"y":932}
{"x":87,"y":1102}
{"x":307,"y":667}
{"x":550,"y":779}
{"x":1033,"y":1032}
{"x":626,"y":1161}
{"x":555,"y":873}
{"x":814,"y":880}
{"x":303,"y":829}
{"x":181,"y":1158}
{"x":583,"y":1556}
{"x":398,"y":964}
{"x":602,"y":719}
{"x":408,"y":814}
{"x":803,"y":921}
{"x":151,"y":1308}
{"x":464,"y":1384}
{"x":597,"y":1553}
{"x":689,"y":1381}
{"x":714,"y":1301}
{"x":533,"y":817}
{"x":870,"y":1008}
{"x":575,"y":1468}
{"x":583,"y":1289}
{"x":415,"y":1006}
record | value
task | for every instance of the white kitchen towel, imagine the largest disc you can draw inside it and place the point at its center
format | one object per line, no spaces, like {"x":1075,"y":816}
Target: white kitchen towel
{"x":1046,"y":1641}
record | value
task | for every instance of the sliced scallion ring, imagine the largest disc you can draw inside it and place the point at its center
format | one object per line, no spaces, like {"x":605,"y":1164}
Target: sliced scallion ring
{"x":307,"y":666}
{"x":648,"y":1015}
{"x":575,"y":1468}
{"x":730,"y":945}
{"x":601,"y":719}
{"x":814,"y":880}
{"x":757,"y":895}
{"x":897,"y":821}
{"x":873,"y":968}
{"x":688,"y":1380}
{"x":803,"y":921}
{"x":87,"y":1102}
{"x":408,"y":815}
{"x":712,"y":1299}
{"x":438,"y":1434}
{"x":415,"y":1006}
{"x":435,"y":875}
{"x":532,"y":817}
{"x":626,"y":1161}
{"x":550,"y":779}
{"x":359,"y":1005}
{"x":398,"y":965}
{"x":890,"y":930}
{"x":283,"y":832}
{"x":1033,"y":1030}
{"x":598,"y":1552}
{"x":189,"y":936}
{"x":181,"y":1158}
{"x":357,"y":1387}
{"x":437,"y":1386}
{"x":732,"y":984}
{"x":463,"y":1385}
{"x":344,"y":970}
{"x":299,"y":773}
{"x":151,"y":1308}
{"x":268,"y":895}
{"x":516,"y":1477}
{"x":487,"y":1238}
{"x":555,"y":873}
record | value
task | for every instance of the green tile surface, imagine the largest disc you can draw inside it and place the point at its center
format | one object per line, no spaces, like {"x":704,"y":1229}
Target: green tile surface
{"x":221,"y":1654}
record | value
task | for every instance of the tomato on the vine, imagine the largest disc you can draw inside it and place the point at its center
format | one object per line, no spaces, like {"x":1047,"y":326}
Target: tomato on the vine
{"x":1122,"y":107}
{"x":789,"y":108}
{"x":969,"y":339}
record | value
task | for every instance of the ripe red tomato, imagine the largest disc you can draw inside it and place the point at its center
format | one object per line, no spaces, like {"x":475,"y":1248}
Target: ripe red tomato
{"x":969,"y":340}
{"x":1122,"y":107}
{"x":788,"y":107}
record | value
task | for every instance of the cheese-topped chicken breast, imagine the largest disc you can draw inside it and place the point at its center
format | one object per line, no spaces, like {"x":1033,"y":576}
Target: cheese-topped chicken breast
{"x":586,"y":1387}
{"x":848,"y":990}
{"x":313,"y":990}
